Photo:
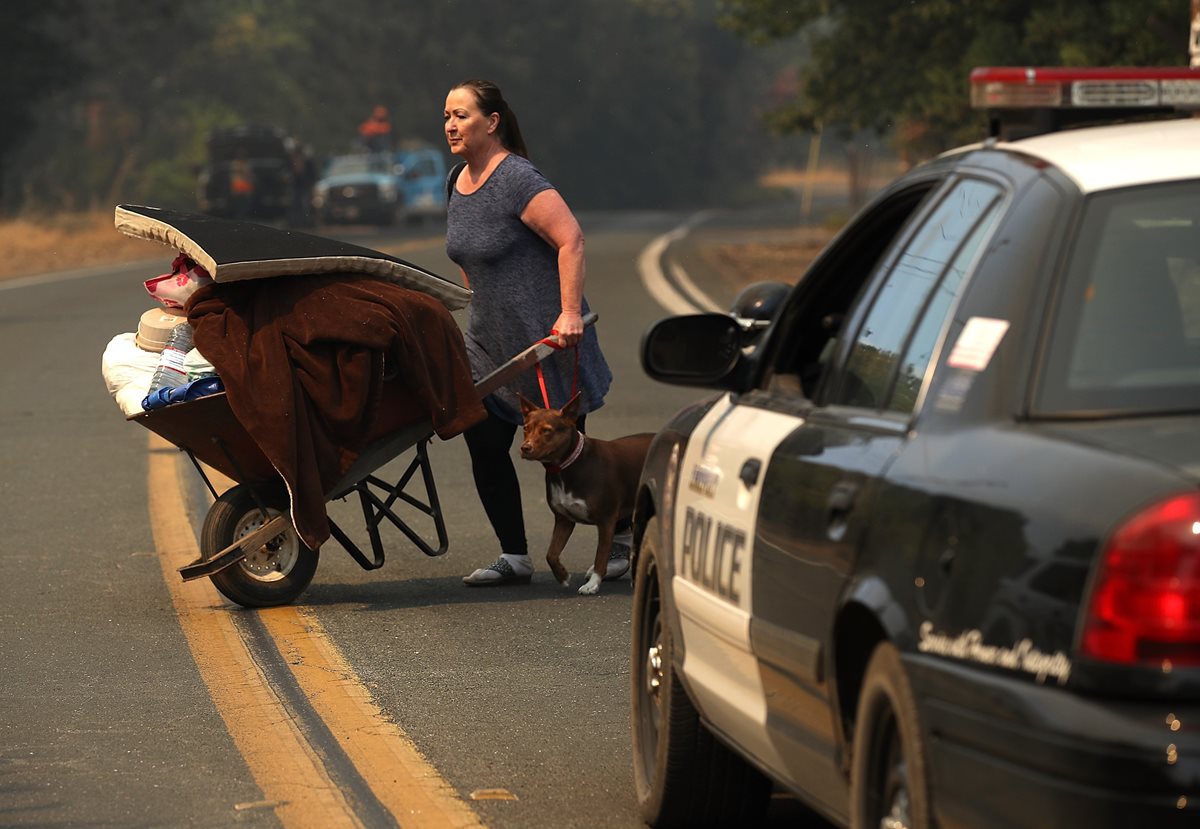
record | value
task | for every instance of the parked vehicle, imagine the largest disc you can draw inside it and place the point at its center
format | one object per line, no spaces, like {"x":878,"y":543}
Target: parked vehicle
{"x":931,"y":555}
{"x":382,"y":188}
{"x":247,"y":174}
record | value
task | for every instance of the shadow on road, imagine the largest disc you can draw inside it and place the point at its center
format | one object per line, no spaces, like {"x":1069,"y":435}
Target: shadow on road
{"x":398,"y":594}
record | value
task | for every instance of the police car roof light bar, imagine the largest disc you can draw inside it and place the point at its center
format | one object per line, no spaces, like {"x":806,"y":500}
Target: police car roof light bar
{"x":1028,"y":100}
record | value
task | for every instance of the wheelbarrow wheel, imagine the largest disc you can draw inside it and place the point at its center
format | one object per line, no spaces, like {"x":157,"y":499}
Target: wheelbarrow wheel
{"x":274,"y":574}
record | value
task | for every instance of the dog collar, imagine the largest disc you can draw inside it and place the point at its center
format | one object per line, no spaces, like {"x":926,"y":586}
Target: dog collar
{"x":570,"y":459}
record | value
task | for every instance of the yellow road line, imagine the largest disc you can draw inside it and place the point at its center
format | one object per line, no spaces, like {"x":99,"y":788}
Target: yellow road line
{"x":285,"y":767}
{"x":408,"y":786}
{"x":282,"y":763}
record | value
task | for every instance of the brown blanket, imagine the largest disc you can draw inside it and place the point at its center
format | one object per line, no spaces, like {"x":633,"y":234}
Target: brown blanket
{"x":303,"y":358}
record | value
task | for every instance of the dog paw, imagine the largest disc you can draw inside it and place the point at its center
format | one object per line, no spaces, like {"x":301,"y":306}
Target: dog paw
{"x":566,"y":582}
{"x":590,"y":587}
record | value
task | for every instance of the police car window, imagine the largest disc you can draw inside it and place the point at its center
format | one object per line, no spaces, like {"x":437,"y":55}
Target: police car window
{"x":868,"y":374}
{"x":920,"y":349}
{"x":814,"y":317}
{"x":1126,"y":334}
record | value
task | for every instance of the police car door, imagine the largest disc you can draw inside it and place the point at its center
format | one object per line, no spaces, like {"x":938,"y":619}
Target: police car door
{"x":776,"y":494}
{"x":727,"y":459}
{"x":818,"y":491}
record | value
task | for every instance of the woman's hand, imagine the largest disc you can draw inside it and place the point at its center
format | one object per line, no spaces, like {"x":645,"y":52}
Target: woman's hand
{"x":569,"y":327}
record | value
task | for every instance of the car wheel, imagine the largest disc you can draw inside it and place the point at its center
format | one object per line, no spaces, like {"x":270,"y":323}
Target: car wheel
{"x":682,"y":774}
{"x":889,"y":781}
{"x":274,"y":574}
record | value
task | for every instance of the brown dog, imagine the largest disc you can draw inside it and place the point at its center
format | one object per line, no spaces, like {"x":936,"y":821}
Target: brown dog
{"x":588,"y":481}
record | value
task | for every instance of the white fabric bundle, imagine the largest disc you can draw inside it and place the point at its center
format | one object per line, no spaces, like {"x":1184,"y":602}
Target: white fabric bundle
{"x":127,"y":372}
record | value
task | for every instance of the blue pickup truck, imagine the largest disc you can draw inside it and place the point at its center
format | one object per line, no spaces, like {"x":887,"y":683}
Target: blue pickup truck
{"x":382,"y":188}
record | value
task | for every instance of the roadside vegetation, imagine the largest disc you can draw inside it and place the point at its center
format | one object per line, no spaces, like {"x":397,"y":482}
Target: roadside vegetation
{"x":624,"y":103}
{"x":739,"y":88}
{"x":71,"y":240}
{"x":79,"y":240}
{"x":65,"y":241}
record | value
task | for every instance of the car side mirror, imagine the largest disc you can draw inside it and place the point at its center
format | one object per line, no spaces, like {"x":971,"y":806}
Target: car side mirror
{"x":693,"y":350}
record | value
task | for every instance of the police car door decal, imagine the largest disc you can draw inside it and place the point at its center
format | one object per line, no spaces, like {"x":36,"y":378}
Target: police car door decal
{"x":720,"y":483}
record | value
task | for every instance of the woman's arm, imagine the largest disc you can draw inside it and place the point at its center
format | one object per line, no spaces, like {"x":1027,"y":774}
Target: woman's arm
{"x":549,"y":217}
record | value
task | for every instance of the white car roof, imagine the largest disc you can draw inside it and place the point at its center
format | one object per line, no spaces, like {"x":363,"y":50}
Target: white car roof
{"x":1105,"y":158}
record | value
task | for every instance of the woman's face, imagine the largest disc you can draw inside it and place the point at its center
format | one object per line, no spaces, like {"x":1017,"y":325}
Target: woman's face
{"x":467,"y":128}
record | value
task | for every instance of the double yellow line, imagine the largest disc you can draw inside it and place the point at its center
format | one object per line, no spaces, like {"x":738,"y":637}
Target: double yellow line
{"x":292,"y":774}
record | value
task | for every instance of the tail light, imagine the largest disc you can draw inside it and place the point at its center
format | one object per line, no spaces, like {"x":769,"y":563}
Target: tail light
{"x":1145,"y":602}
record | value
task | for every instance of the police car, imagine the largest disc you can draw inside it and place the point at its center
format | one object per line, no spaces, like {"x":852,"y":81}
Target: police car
{"x":931,"y":553}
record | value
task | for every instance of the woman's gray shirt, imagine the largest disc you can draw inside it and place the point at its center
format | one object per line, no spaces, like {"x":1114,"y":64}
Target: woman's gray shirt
{"x":513,"y":273}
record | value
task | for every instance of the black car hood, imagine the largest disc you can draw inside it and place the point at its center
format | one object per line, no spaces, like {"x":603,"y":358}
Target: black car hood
{"x":1172,"y":442}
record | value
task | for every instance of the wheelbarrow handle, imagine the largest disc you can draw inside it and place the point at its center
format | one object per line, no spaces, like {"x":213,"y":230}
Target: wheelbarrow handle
{"x":589,"y":320}
{"x":527,"y":359}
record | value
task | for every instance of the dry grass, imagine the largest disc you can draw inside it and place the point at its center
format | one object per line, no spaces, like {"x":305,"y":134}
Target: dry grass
{"x":777,"y":256}
{"x":31,"y":246}
{"x":38,"y":246}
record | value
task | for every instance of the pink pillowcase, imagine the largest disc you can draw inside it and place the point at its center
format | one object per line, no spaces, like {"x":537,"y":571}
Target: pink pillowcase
{"x":173,"y":289}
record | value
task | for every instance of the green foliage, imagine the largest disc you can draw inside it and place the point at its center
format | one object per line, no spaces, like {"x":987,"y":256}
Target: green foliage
{"x":37,"y":61}
{"x":622,"y":102}
{"x":762,"y":21}
{"x":904,"y":67}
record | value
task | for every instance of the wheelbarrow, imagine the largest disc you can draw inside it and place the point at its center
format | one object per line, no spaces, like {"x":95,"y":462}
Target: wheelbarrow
{"x":249,"y":547}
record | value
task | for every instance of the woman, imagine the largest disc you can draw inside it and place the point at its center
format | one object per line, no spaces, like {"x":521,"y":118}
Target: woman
{"x":521,"y":253}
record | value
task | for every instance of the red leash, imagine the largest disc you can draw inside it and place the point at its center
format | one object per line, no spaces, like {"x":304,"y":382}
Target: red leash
{"x":550,"y":341}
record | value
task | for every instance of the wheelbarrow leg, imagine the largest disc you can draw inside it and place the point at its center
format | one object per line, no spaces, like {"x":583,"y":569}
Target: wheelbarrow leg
{"x":236,"y":551}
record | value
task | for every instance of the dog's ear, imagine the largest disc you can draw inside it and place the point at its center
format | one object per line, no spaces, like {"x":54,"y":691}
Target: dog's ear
{"x":527,"y":405}
{"x":571,"y":410}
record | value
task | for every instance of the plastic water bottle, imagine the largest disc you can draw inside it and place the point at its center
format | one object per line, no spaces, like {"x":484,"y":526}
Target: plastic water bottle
{"x":171,"y":371}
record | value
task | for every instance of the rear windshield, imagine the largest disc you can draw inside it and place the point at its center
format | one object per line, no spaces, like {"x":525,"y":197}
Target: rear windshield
{"x":1126,"y":335}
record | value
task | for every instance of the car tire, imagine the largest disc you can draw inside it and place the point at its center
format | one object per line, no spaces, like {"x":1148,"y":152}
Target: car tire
{"x":682,"y":774}
{"x":275,"y":574}
{"x":889,"y":779}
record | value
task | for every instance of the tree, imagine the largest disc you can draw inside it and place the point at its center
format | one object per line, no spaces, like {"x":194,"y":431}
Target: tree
{"x":37,"y":61}
{"x":903,"y":68}
{"x":623,"y":102}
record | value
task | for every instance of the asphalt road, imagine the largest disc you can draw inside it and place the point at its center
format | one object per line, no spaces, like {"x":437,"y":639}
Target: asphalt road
{"x":108,"y":719}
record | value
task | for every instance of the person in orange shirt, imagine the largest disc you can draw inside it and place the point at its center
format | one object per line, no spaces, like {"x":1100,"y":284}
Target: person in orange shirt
{"x":376,"y":131}
{"x":241,"y":186}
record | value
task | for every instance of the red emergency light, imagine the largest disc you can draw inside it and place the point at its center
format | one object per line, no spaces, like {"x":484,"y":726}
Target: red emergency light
{"x":1064,"y":86}
{"x":1045,"y":98}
